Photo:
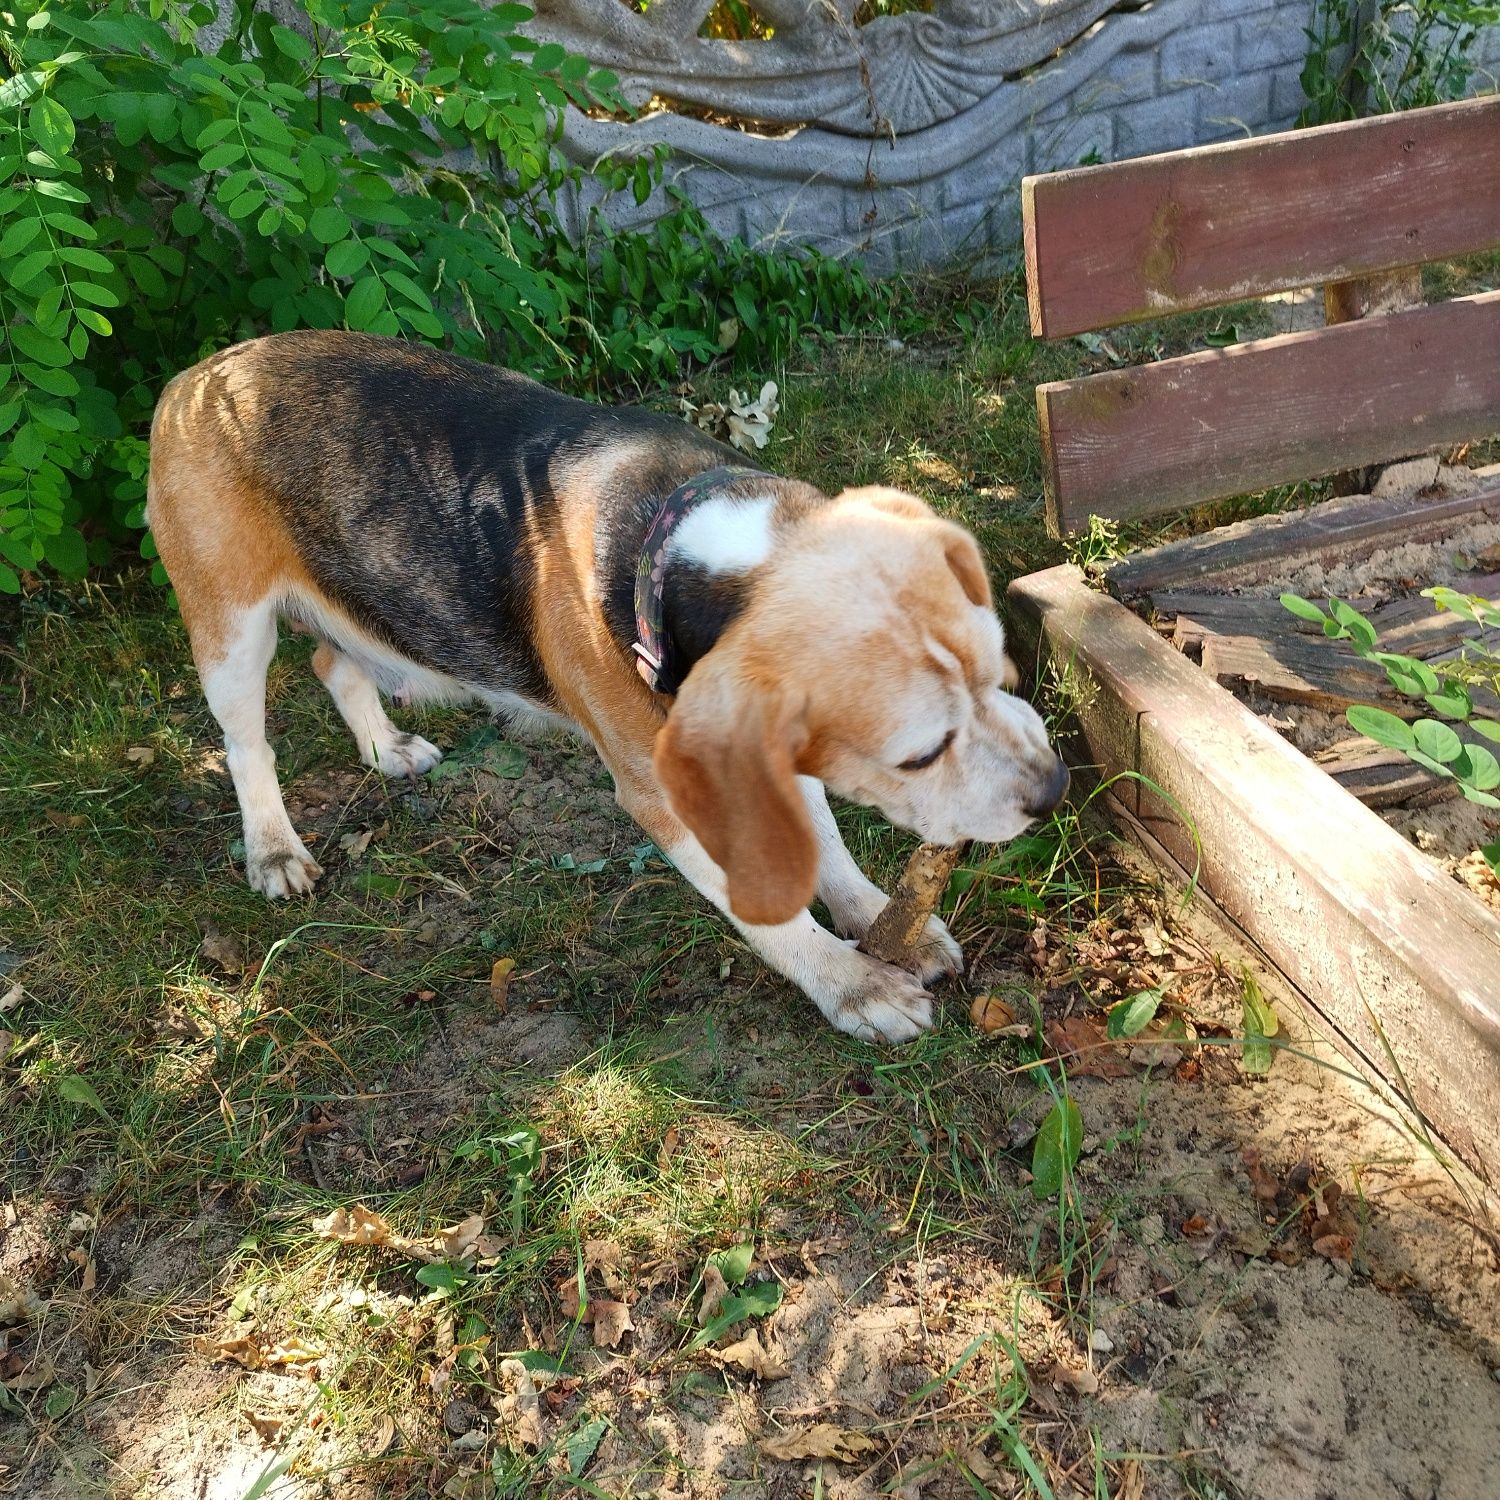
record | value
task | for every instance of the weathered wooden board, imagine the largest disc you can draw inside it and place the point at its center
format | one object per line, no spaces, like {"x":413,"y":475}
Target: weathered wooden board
{"x":1380,"y":777}
{"x":1369,"y":297}
{"x":1271,"y":546}
{"x":1137,"y":442}
{"x":1391,"y":950}
{"x":1291,"y":669}
{"x":1162,"y":234}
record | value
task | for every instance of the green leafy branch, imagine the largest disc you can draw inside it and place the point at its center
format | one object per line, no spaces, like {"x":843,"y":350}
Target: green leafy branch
{"x":1445,"y":688}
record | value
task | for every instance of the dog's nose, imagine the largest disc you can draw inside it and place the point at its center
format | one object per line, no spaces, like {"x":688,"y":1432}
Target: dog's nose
{"x":1054,"y":789}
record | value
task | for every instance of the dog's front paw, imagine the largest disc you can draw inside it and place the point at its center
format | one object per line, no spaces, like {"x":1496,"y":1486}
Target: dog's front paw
{"x":405,"y":755}
{"x":936,"y":955}
{"x":282,"y":872}
{"x":886,"y":1005}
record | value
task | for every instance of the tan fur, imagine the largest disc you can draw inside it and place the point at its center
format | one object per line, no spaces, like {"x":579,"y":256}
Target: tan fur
{"x":222,"y":544}
{"x":729,"y":759}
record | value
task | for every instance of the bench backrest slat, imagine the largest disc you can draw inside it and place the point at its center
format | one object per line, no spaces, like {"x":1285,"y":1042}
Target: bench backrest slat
{"x":1133,"y":442}
{"x":1161,"y":234}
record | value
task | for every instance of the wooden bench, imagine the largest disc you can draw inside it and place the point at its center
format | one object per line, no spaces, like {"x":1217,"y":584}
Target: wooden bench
{"x":1402,"y":962}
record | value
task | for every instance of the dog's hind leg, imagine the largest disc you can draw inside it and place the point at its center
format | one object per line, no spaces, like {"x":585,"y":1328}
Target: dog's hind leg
{"x":389,"y":750}
{"x":234,"y":682}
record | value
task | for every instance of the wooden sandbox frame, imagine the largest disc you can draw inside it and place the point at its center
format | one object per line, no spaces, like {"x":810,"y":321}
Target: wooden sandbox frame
{"x":1400,"y":959}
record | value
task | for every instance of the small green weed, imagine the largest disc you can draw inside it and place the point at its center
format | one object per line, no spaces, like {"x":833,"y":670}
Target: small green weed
{"x":1368,"y":58}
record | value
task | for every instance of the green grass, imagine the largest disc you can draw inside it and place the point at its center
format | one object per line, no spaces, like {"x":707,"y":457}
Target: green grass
{"x":683,"y":1099}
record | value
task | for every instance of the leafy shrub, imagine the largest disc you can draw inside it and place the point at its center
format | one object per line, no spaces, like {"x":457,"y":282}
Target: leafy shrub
{"x":391,"y":169}
{"x":1396,"y":54}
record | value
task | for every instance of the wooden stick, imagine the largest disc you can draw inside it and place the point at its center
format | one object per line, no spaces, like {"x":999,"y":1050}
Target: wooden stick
{"x":898,"y":929}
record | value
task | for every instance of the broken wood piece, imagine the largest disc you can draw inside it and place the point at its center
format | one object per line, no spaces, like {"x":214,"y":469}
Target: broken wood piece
{"x":1381,"y":777}
{"x":897,"y":931}
{"x":1293,"y":669}
{"x":1275,"y":546}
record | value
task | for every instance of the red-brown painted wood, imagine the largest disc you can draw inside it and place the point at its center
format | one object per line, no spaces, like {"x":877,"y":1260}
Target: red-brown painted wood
{"x":1162,"y":234}
{"x":1136,"y":442}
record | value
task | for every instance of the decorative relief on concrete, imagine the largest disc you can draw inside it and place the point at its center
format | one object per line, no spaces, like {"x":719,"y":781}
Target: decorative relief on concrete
{"x":896,"y":74}
{"x":904,"y":139}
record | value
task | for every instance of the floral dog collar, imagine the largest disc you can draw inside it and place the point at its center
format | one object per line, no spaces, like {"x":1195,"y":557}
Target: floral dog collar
{"x":653,"y":646}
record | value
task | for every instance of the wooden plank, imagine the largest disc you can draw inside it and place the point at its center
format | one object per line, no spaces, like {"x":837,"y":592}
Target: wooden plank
{"x":1409,"y":625}
{"x":1369,"y":297}
{"x":1273,"y":546}
{"x":1136,"y":442}
{"x":1162,"y":234}
{"x":1290,"y":669}
{"x":1388,"y":948}
{"x":1381,"y":777}
{"x":1197,"y":617}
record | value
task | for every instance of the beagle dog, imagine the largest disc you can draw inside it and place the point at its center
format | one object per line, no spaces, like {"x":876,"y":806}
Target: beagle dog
{"x":733,"y":643}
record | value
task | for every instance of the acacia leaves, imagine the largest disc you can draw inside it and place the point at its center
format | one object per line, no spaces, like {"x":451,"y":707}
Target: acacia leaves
{"x":389,"y":168}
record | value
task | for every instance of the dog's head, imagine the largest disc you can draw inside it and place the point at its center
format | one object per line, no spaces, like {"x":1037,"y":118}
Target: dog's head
{"x":868,"y":656}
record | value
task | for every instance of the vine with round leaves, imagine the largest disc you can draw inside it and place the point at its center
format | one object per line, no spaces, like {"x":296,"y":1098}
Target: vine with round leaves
{"x":1445,"y":687}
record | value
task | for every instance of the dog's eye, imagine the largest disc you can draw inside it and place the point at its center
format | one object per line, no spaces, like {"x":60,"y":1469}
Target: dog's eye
{"x":921,"y":762}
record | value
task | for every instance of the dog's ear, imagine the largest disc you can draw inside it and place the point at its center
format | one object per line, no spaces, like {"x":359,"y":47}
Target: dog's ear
{"x":727,"y":757}
{"x":967,"y":562}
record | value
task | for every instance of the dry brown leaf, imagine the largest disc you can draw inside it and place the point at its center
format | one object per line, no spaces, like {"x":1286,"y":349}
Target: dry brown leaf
{"x":611,"y":1322}
{"x":1063,"y":1377}
{"x":36,"y":1376}
{"x":382,"y":1435}
{"x":522,"y":1411}
{"x":467,"y":1240}
{"x":223,"y":950}
{"x":60,"y":819}
{"x":140,"y":755}
{"x":249,"y":1353}
{"x":363,"y":1226}
{"x":603,"y":1256}
{"x":813,"y":1250}
{"x":981,"y":1468}
{"x":18,"y":1304}
{"x":750,"y":1354}
{"x":267,"y":1429}
{"x":821,"y":1440}
{"x":12,"y":997}
{"x":355,"y":844}
{"x":293,"y":1351}
{"x":990,"y":1014}
{"x":1267,"y":1188}
{"x":668,"y":1147}
{"x":715,"y":1290}
{"x":1197,"y":1225}
{"x":500,"y":972}
{"x":242,"y":1351}
{"x":7,"y":1041}
{"x":90,"y":1274}
{"x":1082,"y":1045}
{"x":1335,"y":1247}
{"x":568,"y":1298}
{"x":357,"y":1226}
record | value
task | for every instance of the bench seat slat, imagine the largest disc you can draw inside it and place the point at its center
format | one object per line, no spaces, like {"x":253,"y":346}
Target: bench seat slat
{"x":1161,"y":234}
{"x":1135,"y":442}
